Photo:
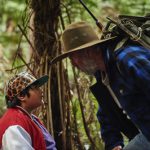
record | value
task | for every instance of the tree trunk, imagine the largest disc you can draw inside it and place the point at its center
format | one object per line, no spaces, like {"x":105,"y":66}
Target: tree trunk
{"x":46,"y":45}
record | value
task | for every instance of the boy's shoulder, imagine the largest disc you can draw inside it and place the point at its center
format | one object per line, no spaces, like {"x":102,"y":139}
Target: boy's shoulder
{"x":14,"y":116}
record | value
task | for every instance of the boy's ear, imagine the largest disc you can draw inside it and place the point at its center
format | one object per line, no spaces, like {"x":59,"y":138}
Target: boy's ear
{"x":22,"y":98}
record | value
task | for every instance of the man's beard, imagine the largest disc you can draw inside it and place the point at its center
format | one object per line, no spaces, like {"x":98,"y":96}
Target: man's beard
{"x":88,"y":66}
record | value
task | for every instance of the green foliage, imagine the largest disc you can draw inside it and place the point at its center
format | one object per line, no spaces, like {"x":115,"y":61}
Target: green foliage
{"x":11,"y":14}
{"x":134,"y":7}
{"x":3,"y":78}
{"x":12,"y":9}
{"x":90,"y":108}
{"x":91,"y":122}
{"x":14,"y":12}
{"x":75,"y":11}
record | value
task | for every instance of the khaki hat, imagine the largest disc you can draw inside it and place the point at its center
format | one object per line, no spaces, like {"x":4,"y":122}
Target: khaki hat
{"x":78,"y":36}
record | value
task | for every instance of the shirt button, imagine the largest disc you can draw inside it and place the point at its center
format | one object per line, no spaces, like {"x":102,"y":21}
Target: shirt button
{"x":128,"y":117}
{"x":121,"y":91}
{"x":124,"y":112}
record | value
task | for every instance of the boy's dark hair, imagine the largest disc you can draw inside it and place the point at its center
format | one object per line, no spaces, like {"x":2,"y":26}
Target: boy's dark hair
{"x":16,"y":101}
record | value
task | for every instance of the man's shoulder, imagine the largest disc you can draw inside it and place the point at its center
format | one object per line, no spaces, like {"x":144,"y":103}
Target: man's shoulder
{"x":130,"y":52}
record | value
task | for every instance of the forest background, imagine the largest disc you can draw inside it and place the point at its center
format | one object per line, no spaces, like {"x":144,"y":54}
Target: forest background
{"x":30,"y":33}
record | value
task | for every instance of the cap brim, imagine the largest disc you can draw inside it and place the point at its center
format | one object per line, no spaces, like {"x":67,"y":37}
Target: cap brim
{"x":64,"y":55}
{"x":42,"y":80}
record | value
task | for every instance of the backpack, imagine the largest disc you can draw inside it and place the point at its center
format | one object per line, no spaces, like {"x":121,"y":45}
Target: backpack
{"x":136,"y":28}
{"x":128,"y":30}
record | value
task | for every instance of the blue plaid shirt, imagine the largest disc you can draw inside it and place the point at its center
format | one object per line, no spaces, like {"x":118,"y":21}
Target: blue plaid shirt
{"x":130,"y":81}
{"x":133,"y":87}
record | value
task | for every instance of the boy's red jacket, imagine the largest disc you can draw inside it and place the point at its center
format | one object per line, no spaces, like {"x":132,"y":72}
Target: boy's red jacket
{"x":15,"y":116}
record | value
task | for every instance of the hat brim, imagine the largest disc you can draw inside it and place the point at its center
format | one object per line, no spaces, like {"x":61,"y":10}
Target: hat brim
{"x":66,"y":54}
{"x":39,"y":82}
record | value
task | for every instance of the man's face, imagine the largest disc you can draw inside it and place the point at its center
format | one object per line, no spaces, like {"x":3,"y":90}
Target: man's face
{"x":88,"y":60}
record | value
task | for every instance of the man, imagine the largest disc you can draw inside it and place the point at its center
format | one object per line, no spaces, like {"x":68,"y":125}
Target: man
{"x":19,"y":128}
{"x":122,"y":89}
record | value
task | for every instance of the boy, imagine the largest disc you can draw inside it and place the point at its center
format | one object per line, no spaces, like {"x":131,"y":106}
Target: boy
{"x":20,"y":129}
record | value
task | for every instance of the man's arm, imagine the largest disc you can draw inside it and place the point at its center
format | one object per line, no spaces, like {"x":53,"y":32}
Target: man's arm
{"x":134,"y":62}
{"x":16,"y":138}
{"x":110,"y":134}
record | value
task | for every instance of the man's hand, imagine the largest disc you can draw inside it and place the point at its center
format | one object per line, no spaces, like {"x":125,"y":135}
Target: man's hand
{"x":117,"y":148}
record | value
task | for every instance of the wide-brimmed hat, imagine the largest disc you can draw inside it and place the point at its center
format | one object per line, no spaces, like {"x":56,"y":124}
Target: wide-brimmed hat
{"x":21,"y":81}
{"x":78,"y":36}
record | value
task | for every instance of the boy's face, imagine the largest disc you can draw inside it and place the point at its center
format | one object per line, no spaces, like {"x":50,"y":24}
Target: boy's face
{"x":34,"y":100}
